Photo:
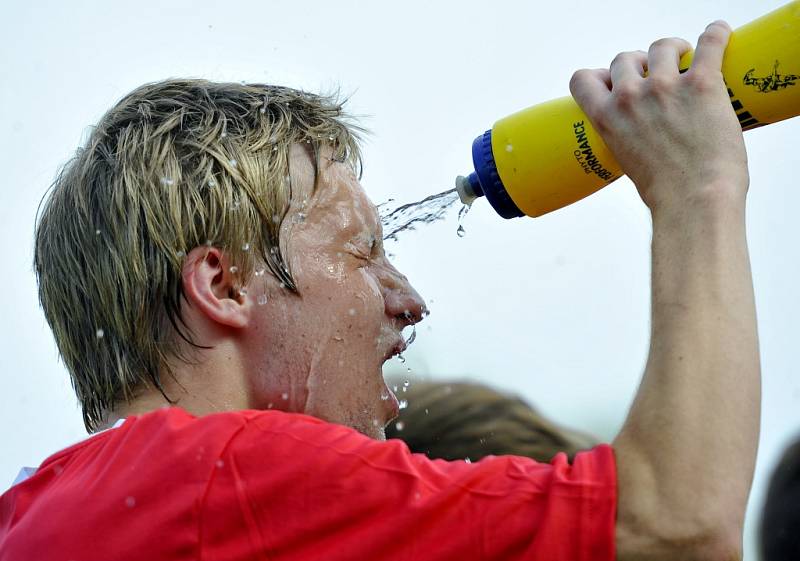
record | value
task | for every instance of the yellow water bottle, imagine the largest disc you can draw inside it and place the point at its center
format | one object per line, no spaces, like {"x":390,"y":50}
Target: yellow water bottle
{"x":548,"y":156}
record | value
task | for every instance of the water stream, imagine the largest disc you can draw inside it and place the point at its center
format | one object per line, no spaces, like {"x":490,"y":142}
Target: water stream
{"x":430,"y":209}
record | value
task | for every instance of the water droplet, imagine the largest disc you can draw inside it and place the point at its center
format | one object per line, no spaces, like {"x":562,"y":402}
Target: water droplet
{"x":224,"y":134}
{"x":399,"y":425}
{"x":509,"y":148}
{"x":461,"y":232}
{"x":220,"y":464}
{"x":259,"y":272}
{"x":166,"y":181}
{"x":426,"y":410}
{"x":331,"y":138}
{"x":262,"y":110}
{"x":262,"y":300}
{"x":394,"y":388}
{"x":233,"y":163}
{"x":100,"y":333}
{"x":467,"y":460}
{"x":406,"y":383}
{"x":130,"y":502}
{"x":408,"y":369}
{"x":284,"y":396}
{"x":402,"y":360}
{"x":275,"y":148}
{"x":351,"y":311}
{"x":180,"y":253}
{"x":243,"y":291}
{"x":384,"y":395}
{"x":97,"y":232}
{"x":212,"y":183}
{"x":403,"y":403}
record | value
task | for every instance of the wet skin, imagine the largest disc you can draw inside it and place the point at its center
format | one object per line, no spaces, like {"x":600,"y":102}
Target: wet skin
{"x":321,"y":352}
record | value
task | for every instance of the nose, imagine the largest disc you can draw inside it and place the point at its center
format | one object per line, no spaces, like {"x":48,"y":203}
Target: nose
{"x":402,"y":302}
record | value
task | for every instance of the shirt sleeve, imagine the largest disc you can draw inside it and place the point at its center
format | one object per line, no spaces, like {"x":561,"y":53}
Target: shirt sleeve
{"x":291,"y":487}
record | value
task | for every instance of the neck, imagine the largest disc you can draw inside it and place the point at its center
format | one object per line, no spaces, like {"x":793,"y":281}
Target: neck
{"x":212,"y":385}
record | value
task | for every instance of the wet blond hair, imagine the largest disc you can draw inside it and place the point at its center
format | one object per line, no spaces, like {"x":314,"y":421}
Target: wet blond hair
{"x":172,"y":166}
{"x":458,"y":420}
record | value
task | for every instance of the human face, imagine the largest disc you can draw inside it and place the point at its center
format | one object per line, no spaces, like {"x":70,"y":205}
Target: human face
{"x":321,"y":352}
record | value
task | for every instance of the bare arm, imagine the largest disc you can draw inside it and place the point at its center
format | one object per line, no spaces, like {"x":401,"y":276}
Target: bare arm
{"x":687,"y":450}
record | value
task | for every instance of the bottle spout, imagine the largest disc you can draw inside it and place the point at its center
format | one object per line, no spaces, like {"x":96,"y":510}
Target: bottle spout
{"x":468,"y":188}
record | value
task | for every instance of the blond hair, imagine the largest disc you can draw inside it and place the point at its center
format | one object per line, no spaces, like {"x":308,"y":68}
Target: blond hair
{"x":458,"y":420}
{"x":172,"y":166}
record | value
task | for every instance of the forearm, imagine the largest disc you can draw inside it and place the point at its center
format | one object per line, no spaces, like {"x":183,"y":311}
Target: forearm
{"x":687,"y":450}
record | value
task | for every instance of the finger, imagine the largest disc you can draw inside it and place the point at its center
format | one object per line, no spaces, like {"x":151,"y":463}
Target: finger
{"x":591,"y":89}
{"x":628,"y":67}
{"x":665,"y":54}
{"x":711,"y":47}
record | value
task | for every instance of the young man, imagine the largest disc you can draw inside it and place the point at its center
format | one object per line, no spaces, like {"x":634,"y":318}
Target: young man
{"x":211,"y":248}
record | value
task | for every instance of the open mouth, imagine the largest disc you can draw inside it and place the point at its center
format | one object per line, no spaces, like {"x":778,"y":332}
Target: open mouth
{"x":397,"y":349}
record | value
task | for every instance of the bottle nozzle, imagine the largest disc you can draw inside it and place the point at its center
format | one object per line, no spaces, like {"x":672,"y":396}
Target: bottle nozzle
{"x":468,"y":188}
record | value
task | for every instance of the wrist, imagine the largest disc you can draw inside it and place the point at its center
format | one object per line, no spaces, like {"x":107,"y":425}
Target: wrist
{"x":718,"y":202}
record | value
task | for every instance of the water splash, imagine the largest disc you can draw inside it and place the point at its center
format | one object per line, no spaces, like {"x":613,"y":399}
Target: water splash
{"x":407,"y":216}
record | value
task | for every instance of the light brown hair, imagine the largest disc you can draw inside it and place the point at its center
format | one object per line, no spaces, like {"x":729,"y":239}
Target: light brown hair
{"x":459,"y":420}
{"x":172,"y":166}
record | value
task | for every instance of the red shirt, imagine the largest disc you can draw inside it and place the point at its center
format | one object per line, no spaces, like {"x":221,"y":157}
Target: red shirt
{"x":252,"y":485}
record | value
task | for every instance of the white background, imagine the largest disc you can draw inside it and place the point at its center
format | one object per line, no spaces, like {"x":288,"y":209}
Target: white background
{"x":554,"y":308}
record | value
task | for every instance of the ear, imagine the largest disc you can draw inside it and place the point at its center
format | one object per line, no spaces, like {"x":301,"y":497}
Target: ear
{"x":211,"y":287}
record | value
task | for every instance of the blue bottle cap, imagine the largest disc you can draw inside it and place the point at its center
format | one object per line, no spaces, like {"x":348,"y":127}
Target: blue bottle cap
{"x":486,"y":181}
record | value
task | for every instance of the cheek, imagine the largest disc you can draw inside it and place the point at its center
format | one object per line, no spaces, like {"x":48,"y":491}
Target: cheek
{"x":371,"y":294}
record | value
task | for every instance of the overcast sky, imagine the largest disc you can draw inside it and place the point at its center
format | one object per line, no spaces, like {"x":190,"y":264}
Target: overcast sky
{"x":554,"y":308}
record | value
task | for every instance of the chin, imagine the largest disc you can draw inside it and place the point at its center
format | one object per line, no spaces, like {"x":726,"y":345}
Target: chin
{"x":369,"y":429}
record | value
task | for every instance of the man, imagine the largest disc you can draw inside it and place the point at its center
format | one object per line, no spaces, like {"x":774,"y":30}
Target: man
{"x":211,"y":248}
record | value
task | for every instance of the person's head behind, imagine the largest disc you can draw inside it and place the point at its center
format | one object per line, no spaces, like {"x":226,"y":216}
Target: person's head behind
{"x":458,"y":420}
{"x":780,"y":521}
{"x":176,"y":166}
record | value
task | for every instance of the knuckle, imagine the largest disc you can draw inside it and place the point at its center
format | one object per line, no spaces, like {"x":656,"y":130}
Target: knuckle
{"x":578,"y":76}
{"x":663,"y":42}
{"x":705,"y":81}
{"x":715,"y":34}
{"x":670,"y":43}
{"x":626,"y":94}
{"x":661,"y":84}
{"x":577,"y":79}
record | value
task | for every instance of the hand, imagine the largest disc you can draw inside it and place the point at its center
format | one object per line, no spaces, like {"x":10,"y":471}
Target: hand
{"x":675,"y":135}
